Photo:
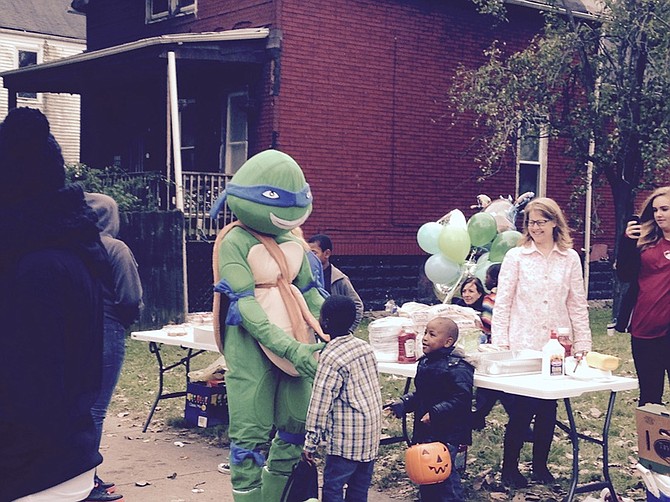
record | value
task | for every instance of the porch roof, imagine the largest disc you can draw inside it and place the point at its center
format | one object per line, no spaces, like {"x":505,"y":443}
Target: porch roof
{"x":587,"y":9}
{"x":128,"y":62}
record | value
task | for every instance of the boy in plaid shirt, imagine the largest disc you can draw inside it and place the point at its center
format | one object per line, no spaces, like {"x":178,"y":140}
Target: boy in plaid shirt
{"x":346,"y":406}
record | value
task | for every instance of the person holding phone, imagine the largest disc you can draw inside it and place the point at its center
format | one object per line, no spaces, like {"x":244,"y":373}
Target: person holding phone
{"x":643,"y":261}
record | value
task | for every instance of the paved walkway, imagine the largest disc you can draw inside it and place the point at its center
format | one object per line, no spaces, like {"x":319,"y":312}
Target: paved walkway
{"x":167,"y":465}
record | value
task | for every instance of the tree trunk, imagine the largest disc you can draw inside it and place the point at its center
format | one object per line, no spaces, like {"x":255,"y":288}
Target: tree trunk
{"x":624,"y":198}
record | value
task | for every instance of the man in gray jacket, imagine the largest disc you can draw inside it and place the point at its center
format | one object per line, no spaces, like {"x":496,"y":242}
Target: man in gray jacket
{"x":336,"y":281}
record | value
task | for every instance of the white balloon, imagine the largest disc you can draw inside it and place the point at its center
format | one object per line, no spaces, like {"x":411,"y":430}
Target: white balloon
{"x":457,"y":219}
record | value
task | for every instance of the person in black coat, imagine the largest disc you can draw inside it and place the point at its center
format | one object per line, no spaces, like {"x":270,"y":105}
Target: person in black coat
{"x":441,"y":402}
{"x":52,"y":266}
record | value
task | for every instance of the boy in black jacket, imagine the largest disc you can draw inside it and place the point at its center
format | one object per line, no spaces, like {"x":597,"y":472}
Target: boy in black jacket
{"x":442,"y":402}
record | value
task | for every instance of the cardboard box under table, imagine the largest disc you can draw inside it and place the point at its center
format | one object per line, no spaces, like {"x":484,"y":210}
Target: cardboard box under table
{"x":206,"y":403}
{"x":653,"y":437}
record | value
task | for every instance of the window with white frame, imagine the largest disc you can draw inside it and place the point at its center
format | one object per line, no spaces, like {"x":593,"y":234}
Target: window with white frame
{"x":163,"y":9}
{"x":531,"y":174}
{"x":187,"y":125}
{"x":26,"y":57}
{"x":236,"y":133}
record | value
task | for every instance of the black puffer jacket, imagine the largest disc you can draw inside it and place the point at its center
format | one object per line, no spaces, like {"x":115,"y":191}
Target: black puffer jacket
{"x":627,"y":269}
{"x":52,"y":265}
{"x":443,"y":383}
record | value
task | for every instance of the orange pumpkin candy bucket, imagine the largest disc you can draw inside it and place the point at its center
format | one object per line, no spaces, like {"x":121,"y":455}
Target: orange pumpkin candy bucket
{"x":428,"y":463}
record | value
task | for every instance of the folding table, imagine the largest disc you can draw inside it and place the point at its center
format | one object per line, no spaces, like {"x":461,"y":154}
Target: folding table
{"x":561,"y":387}
{"x":187,"y":341}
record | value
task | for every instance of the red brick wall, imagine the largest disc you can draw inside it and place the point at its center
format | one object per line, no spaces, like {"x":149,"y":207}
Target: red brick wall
{"x":362,"y":109}
{"x":362,"y":106}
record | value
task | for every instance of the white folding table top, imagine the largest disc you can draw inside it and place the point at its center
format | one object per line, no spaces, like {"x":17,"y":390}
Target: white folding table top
{"x":162,"y":336}
{"x":533,"y":385}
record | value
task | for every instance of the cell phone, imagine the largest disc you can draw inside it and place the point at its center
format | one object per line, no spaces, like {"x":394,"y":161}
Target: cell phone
{"x":634,"y":218}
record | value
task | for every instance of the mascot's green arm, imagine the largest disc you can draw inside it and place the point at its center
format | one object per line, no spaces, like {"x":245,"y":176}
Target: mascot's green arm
{"x":233,"y":267}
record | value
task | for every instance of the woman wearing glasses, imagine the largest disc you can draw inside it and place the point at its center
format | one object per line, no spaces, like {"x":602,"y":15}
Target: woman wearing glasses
{"x":540,"y":289}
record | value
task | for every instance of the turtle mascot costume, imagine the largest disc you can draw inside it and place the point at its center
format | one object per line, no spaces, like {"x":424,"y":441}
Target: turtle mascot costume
{"x":265,"y":308}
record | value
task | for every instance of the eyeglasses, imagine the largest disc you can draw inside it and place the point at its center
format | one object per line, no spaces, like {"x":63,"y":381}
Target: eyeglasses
{"x":537,"y":223}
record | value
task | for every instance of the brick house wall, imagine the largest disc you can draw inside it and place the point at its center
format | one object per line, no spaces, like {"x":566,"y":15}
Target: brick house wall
{"x":360,"y":104}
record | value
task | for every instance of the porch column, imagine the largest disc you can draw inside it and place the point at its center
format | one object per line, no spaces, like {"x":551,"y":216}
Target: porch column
{"x":11,"y":99}
{"x":176,"y":156}
{"x":176,"y":133}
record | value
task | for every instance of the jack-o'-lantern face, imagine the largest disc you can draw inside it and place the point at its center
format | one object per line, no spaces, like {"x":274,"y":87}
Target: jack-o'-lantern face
{"x":428,"y":463}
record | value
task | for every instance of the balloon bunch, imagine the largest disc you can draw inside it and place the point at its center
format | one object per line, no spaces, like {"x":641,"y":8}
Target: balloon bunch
{"x":461,"y":248}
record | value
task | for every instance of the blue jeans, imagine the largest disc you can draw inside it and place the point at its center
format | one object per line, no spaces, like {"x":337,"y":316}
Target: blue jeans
{"x":449,"y":490}
{"x":113,"y":353}
{"x":340,"y":471}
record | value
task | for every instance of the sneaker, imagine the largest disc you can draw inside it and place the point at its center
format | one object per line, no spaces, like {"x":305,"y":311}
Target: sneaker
{"x":100,"y":495}
{"x":108,"y":487}
{"x":224,"y":468}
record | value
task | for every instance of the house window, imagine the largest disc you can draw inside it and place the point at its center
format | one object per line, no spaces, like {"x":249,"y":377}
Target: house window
{"x":27,"y":58}
{"x":236,"y":133}
{"x":187,"y":125}
{"x":532,"y":162}
{"x":163,"y":9}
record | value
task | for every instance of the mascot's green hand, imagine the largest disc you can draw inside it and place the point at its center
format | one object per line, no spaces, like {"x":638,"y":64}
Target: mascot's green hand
{"x":302,"y":357}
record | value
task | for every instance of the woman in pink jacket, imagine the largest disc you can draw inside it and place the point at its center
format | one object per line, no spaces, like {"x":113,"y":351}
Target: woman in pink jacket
{"x":540,"y":289}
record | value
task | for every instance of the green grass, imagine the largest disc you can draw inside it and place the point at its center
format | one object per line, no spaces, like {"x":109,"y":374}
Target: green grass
{"x":138,"y":384}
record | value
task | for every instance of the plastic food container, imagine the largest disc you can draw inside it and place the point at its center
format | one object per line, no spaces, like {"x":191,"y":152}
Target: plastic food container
{"x":509,"y":363}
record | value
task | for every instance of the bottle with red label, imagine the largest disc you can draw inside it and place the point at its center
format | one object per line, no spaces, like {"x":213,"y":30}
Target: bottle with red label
{"x":407,"y":345}
{"x":565,"y":340}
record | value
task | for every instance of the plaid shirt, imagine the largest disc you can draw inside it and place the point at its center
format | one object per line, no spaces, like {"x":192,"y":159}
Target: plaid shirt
{"x":346,"y":405}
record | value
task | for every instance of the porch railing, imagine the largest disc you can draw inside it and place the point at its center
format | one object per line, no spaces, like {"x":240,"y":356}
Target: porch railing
{"x":200,"y":192}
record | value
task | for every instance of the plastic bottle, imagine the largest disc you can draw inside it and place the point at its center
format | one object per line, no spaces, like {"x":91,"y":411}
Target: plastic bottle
{"x":565,"y":340}
{"x":407,"y":345}
{"x":553,"y":358}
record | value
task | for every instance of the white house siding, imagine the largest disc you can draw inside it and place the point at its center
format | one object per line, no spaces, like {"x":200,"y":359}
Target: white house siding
{"x":63,"y":110}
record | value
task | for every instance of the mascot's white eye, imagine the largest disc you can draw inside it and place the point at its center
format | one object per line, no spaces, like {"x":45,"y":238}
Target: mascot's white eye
{"x":270,"y":194}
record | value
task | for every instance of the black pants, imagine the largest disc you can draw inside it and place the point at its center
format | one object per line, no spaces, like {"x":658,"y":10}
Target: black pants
{"x":520,"y":416}
{"x":652,"y":363}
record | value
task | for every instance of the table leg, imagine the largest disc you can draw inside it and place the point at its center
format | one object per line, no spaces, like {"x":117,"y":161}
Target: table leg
{"x":574,"y":438}
{"x":405,"y":436}
{"x":185,"y":361}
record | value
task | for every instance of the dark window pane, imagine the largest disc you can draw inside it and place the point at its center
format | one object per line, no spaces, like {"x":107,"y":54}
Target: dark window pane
{"x":530,"y":148}
{"x":159,"y":6}
{"x":528,"y":178}
{"x":27,"y":58}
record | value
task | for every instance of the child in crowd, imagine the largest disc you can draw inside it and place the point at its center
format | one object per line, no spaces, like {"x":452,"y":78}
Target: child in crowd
{"x":441,"y":402}
{"x":345,"y":407}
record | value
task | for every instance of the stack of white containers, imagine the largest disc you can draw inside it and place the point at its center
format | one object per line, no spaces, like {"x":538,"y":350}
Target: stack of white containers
{"x":383,"y":335}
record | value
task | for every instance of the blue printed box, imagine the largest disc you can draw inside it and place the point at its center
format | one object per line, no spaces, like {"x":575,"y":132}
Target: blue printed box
{"x":206,"y":404}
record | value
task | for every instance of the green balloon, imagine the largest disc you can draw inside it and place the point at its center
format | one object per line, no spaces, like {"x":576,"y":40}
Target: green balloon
{"x":482,"y":228}
{"x":503,"y":243}
{"x":454,"y":243}
{"x":481,"y":267}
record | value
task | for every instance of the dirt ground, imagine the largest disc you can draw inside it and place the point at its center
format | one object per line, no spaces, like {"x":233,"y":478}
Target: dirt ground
{"x":167,"y":464}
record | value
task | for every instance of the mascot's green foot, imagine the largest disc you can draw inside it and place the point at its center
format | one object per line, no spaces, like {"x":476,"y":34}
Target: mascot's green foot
{"x":249,"y":496}
{"x":273,"y":485}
